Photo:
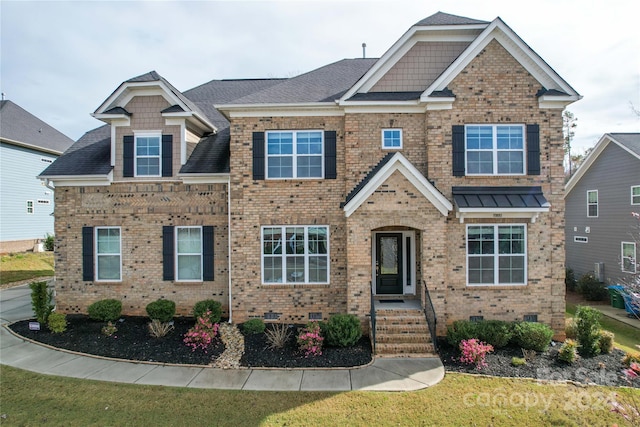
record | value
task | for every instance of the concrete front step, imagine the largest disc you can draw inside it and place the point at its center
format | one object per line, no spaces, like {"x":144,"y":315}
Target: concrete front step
{"x":404,"y":349}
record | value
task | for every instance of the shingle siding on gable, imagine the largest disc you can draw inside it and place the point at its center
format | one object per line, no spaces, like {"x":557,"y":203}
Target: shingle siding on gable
{"x":424,"y":62}
{"x":612,"y":174}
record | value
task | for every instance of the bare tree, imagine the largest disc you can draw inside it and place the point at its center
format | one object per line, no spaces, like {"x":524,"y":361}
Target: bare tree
{"x":569,"y":124}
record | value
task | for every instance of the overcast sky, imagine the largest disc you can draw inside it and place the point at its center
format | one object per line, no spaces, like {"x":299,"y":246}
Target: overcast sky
{"x":60,"y":60}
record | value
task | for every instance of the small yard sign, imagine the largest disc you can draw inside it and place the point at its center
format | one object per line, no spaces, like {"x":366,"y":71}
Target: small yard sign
{"x":34,"y":326}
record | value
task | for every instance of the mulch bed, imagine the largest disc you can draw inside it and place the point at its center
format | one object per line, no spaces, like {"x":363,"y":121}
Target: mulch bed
{"x":133,"y":342}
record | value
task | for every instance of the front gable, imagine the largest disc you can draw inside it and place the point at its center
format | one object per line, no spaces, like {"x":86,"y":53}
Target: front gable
{"x":429,"y":57}
{"x":393,"y":164}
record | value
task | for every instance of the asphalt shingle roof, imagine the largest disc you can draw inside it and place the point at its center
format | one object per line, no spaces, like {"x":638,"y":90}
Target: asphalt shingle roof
{"x":442,"y":18}
{"x":19,"y":125}
{"x":90,"y":155}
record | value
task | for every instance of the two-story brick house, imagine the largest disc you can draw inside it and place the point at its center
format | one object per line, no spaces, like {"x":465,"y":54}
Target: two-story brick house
{"x":431,"y":176}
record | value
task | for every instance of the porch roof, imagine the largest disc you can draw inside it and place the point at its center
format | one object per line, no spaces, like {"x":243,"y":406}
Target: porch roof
{"x":389,"y":164}
{"x":499,"y":202}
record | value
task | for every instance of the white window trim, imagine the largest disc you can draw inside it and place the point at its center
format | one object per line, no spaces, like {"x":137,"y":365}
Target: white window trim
{"x":294,"y":155}
{"x":637,"y":195}
{"x":597,"y":204}
{"x":147,"y":134}
{"x":201,"y":254}
{"x":634,"y":258}
{"x":496,"y":255}
{"x":32,"y":207}
{"x":306,"y":256}
{"x":384,"y":147}
{"x":495,"y":150}
{"x":580,"y":239}
{"x":97,"y":255}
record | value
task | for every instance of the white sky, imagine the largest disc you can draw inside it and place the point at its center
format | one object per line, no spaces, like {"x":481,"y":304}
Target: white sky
{"x":60,"y":60}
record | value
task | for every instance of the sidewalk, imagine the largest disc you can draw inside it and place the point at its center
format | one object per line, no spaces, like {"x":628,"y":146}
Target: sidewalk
{"x":392,"y":374}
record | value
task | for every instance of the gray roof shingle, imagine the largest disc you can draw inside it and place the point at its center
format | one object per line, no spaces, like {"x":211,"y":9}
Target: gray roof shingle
{"x":442,"y":18}
{"x":90,"y":155}
{"x":17,"y":124}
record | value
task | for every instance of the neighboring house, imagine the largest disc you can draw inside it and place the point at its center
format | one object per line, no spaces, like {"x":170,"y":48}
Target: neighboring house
{"x":27,"y":146}
{"x":601,"y":234}
{"x":432,"y":175}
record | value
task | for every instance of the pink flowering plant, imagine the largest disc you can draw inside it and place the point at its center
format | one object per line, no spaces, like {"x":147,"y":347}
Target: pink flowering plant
{"x":202,"y":334}
{"x":310,"y":340}
{"x":474,"y":352}
{"x":629,"y":411}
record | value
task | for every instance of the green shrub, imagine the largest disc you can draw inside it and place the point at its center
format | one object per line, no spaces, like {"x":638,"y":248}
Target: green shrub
{"x":106,"y":310}
{"x":532,"y":335}
{"x":570,"y":280}
{"x":518,"y":361}
{"x":253,"y":326}
{"x":495,"y":332}
{"x":48,"y":242}
{"x":591,"y":288}
{"x":342,"y":330}
{"x":605,"y":341}
{"x":570,"y":328}
{"x":588,"y":330}
{"x":213,"y":306}
{"x":162,"y":310}
{"x":568,"y":351}
{"x":57,"y":322}
{"x":41,"y":298}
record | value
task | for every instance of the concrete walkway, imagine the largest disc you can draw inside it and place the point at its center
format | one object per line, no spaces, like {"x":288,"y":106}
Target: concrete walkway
{"x":384,"y":374}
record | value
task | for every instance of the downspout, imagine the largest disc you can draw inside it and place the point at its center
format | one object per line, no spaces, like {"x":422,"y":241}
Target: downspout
{"x":47,"y":184}
{"x":229,"y":241}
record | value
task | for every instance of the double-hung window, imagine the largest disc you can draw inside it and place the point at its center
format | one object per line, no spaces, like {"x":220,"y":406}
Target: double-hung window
{"x":29,"y":207}
{"x":628,"y":257}
{"x":495,"y":149}
{"x":148,"y":154}
{"x":295,"y":254}
{"x":108,"y":254}
{"x":635,"y":195}
{"x":295,"y":154}
{"x":592,"y":203}
{"x":189,"y":254}
{"x":392,"y":138}
{"x":496,"y":255}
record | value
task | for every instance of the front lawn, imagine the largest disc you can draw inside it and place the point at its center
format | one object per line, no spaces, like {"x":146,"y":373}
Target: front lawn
{"x":34,"y":399}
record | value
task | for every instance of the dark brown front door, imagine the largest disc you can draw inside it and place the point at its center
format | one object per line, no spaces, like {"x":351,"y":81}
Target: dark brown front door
{"x":389,"y":274}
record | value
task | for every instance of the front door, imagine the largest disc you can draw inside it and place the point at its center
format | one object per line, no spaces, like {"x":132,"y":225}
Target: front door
{"x":389,"y":274}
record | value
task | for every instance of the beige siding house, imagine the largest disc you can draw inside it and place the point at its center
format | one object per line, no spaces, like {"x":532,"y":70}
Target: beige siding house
{"x":412,"y":190}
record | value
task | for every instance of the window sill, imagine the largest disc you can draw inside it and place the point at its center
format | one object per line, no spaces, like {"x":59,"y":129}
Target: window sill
{"x":501,"y":287}
{"x":108,"y":282}
{"x":294,"y":285}
{"x":188,"y":283}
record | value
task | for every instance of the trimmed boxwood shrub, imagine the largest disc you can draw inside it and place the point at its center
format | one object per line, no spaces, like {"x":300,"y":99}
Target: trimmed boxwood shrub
{"x":532,"y":335}
{"x":588,"y":330}
{"x":213,"y":306}
{"x":253,"y":326}
{"x":342,"y":330}
{"x":605,"y":342}
{"x":57,"y":322}
{"x":498,"y":333}
{"x":106,"y":310}
{"x":162,"y":310}
{"x":591,"y":288}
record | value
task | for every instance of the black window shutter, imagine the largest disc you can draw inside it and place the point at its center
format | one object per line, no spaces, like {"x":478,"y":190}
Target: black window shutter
{"x":87,"y":254}
{"x":127,"y":156}
{"x":457,"y":140}
{"x":533,"y":149}
{"x":207,"y":253}
{"x":258,"y":155}
{"x":167,"y":155}
{"x":330,"y":171}
{"x":167,"y":253}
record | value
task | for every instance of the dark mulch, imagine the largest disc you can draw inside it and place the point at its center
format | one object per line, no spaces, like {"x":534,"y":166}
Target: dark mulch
{"x":133,"y":342}
{"x":258,"y":354}
{"x":604,"y":369}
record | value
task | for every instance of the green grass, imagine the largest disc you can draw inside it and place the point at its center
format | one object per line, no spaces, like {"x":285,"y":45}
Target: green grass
{"x":31,"y":399}
{"x":25,"y":266}
{"x":626,"y":336}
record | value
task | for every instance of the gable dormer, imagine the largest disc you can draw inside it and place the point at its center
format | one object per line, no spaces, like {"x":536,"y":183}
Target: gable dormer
{"x":154,"y":127}
{"x":414,"y":74}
